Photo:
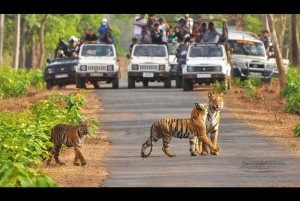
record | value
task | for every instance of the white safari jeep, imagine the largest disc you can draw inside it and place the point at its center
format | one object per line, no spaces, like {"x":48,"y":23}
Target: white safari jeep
{"x":206,"y":63}
{"x":149,"y":63}
{"x":97,"y":62}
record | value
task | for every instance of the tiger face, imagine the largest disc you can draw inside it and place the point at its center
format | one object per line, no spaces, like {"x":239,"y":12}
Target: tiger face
{"x":84,"y":127}
{"x":216,"y":101}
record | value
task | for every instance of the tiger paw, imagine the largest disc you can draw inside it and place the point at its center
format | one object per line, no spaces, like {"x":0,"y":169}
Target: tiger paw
{"x":204,"y":153}
{"x":217,"y":149}
{"x":194,"y":153}
{"x":214,"y":152}
{"x":83,"y":163}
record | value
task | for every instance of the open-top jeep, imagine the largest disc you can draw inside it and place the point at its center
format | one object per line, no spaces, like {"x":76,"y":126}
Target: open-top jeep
{"x":149,"y":63}
{"x":97,"y":62}
{"x":206,"y":63}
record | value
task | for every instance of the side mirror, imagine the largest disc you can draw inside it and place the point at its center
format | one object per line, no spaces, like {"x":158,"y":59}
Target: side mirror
{"x":127,"y":56}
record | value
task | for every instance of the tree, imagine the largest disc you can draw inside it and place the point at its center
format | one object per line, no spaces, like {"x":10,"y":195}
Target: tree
{"x":237,"y":20}
{"x":1,"y":36}
{"x":295,"y":41}
{"x":16,"y":41}
{"x":41,"y":34}
{"x":277,"y":52}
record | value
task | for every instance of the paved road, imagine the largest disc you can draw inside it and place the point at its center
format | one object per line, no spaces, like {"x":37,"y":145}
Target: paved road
{"x":247,"y":159}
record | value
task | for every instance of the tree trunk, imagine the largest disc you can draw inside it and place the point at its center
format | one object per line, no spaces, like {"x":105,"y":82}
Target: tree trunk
{"x":295,"y":41}
{"x":1,"y":36}
{"x":236,"y":20}
{"x":22,"y":43}
{"x":42,"y":46}
{"x":264,"y":21}
{"x":16,"y":51}
{"x":281,"y":27}
{"x":277,"y":52}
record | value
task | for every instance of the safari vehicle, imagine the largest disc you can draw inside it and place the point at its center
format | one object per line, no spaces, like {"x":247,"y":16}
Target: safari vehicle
{"x":149,"y":63}
{"x":97,"y":62}
{"x":60,"y":72}
{"x":285,"y":59}
{"x":249,"y":57}
{"x":206,"y":63}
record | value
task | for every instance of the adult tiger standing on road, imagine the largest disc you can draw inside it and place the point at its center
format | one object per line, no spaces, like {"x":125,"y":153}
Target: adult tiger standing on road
{"x":192,"y":128}
{"x":212,"y":122}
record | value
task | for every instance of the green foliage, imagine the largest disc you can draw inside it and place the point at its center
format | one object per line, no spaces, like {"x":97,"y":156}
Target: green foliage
{"x":237,"y":81}
{"x":219,"y":87}
{"x":251,"y":87}
{"x":253,"y":23}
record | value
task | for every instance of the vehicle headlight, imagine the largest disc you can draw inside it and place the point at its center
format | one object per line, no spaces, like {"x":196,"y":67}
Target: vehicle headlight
{"x":83,"y":68}
{"x":110,"y":68}
{"x":135,"y":67}
{"x":270,"y":65}
{"x":50,"y":70}
{"x":218,"y":68}
{"x":161,"y":67}
{"x":190,"y":69}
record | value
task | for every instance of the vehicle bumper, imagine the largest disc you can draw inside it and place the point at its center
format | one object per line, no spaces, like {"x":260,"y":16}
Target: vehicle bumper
{"x":66,"y":77}
{"x":149,"y":75}
{"x":97,"y":76}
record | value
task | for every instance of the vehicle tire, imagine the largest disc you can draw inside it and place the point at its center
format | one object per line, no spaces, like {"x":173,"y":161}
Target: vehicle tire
{"x":191,"y":85}
{"x":185,"y":85}
{"x":145,"y":83}
{"x":167,"y":82}
{"x":115,"y":83}
{"x":49,"y":84}
{"x":178,"y":81}
{"x":131,"y":82}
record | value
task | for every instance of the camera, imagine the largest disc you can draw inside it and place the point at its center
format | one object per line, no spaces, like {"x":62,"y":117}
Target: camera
{"x":161,"y":31}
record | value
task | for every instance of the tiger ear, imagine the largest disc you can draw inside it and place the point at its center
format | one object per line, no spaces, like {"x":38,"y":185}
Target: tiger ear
{"x":80,"y":120}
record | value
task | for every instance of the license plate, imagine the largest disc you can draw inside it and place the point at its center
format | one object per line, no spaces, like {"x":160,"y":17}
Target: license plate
{"x":97,"y":74}
{"x":203,"y":75}
{"x":61,"y":75}
{"x":255,"y":74}
{"x":148,"y":74}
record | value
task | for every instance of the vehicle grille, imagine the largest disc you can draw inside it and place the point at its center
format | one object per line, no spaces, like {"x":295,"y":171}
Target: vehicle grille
{"x":97,"y":68}
{"x":204,"y":68}
{"x":63,"y":69}
{"x":255,"y":65}
{"x":148,"y":67}
{"x":264,"y":73}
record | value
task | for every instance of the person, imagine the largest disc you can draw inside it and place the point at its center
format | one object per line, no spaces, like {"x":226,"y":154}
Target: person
{"x":189,"y":39}
{"x":91,"y":37}
{"x":85,"y":32}
{"x":157,"y":34}
{"x":171,"y":36}
{"x":74,"y":44}
{"x":108,"y":52}
{"x":265,"y":38}
{"x":145,"y":36}
{"x":107,"y":37}
{"x":188,"y":26}
{"x":178,"y":35}
{"x":212,"y":35}
{"x":103,"y":29}
{"x":139,"y":23}
{"x":61,"y":54}
{"x":150,"y":22}
{"x":134,"y":41}
{"x":163,"y":25}
{"x":62,"y":45}
{"x":73,"y":54}
{"x":203,"y":30}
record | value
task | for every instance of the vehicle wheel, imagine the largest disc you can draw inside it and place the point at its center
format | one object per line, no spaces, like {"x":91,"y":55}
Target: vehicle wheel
{"x":145,"y":83}
{"x":115,"y":83}
{"x":131,"y":82}
{"x":178,"y":80}
{"x":167,"y":82}
{"x":191,"y":85}
{"x":49,"y":84}
{"x":185,"y":85}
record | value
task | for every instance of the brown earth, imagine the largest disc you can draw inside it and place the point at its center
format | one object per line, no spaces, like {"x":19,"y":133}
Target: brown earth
{"x":266,"y":114}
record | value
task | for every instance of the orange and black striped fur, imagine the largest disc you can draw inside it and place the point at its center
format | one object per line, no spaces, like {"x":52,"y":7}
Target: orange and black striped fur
{"x":192,"y":128}
{"x":70,"y":136}
{"x":212,"y":122}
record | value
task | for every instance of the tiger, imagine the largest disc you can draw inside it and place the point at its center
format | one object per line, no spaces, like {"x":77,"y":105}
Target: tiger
{"x":192,"y":128}
{"x":70,"y":136}
{"x":212,"y":123}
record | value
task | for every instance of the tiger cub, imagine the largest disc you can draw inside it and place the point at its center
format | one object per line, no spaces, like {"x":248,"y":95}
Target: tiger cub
{"x":192,"y":128}
{"x":71,"y":136}
{"x":212,"y":122}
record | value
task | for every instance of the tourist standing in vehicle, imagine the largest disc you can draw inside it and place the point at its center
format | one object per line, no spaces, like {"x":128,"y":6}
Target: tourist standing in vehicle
{"x":145,"y":36}
{"x":212,"y":35}
{"x":178,"y":35}
{"x":265,"y":38}
{"x":103,"y":29}
{"x":62,"y":45}
{"x":157,"y":34}
{"x":134,"y":41}
{"x":73,"y":54}
{"x":91,"y":37}
{"x":139,"y":23}
{"x":74,"y":44}
{"x":85,"y":32}
{"x":107,"y":37}
{"x":203,"y":30}
{"x":150,"y":22}
{"x":163,"y":25}
{"x":189,"y":24}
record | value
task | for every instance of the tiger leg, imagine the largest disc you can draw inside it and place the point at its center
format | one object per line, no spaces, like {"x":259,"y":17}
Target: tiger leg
{"x":56,"y":152}
{"x":166,"y":145}
{"x":206,"y":141}
{"x":214,"y":140}
{"x":147,"y":144}
{"x":79,"y":159}
{"x":204,"y":148}
{"x":194,"y":146}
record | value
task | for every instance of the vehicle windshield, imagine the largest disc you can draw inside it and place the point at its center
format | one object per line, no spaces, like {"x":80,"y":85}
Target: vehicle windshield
{"x":91,"y":50}
{"x":151,"y":50}
{"x":205,"y":51}
{"x":244,"y":47}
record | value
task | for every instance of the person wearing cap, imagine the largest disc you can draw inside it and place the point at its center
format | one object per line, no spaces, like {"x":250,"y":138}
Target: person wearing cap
{"x":139,"y":22}
{"x":156,"y":34}
{"x":74,"y":44}
{"x":104,"y":27}
{"x":163,"y":25}
{"x":145,"y":36}
{"x":134,"y":41}
{"x":265,"y":38}
{"x":212,"y":35}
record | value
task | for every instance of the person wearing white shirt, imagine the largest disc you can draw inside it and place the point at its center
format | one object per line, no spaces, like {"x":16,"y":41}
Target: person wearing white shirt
{"x":139,"y":22}
{"x":163,"y":25}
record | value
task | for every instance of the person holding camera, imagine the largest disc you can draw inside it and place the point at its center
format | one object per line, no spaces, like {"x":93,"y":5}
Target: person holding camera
{"x":91,"y":37}
{"x":145,"y":36}
{"x":103,"y":29}
{"x":62,"y":45}
{"x":107,"y":37}
{"x":163,"y":25}
{"x":157,"y":34}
